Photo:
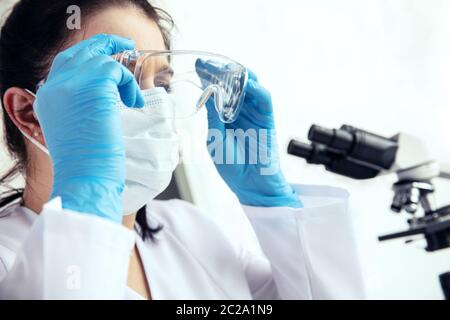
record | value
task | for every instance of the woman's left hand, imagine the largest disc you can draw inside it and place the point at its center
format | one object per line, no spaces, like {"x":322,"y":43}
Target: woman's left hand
{"x":246,"y":154}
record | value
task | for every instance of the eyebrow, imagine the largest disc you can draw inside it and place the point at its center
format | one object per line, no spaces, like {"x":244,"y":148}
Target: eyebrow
{"x":167,"y":70}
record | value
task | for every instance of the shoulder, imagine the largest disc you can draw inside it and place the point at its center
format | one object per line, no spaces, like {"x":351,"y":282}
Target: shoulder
{"x":15,"y":223}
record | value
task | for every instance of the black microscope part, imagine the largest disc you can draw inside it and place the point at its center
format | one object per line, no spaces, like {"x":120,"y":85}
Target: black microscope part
{"x":371,"y":149}
{"x":360,"y":154}
{"x":344,"y":151}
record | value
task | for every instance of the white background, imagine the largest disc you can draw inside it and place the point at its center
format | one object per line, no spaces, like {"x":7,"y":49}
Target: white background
{"x":376,"y":64}
{"x":379,"y":65}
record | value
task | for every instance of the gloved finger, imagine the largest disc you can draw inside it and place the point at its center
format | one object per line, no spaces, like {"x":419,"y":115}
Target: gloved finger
{"x":211,"y":71}
{"x":207,"y":72}
{"x":252,"y":75}
{"x":106,"y":45}
{"x":214,"y":121}
{"x":64,"y":56}
{"x":260,"y":97}
{"x":107,"y":68}
{"x":216,"y":130}
{"x":129,"y":90}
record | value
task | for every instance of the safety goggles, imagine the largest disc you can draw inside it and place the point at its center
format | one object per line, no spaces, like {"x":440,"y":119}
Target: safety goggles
{"x":192,"y":79}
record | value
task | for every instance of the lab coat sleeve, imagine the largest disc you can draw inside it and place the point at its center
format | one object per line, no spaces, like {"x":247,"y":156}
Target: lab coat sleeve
{"x":312,"y":251}
{"x":68,"y":255}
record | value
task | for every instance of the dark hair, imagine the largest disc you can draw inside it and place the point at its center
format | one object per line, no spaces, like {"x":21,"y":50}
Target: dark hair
{"x":32,"y":35}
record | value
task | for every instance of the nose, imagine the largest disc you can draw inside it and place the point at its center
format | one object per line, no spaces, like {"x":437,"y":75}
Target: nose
{"x":146,"y":83}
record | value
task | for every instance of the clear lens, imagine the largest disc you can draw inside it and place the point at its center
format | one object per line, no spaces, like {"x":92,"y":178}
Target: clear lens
{"x":192,"y":79}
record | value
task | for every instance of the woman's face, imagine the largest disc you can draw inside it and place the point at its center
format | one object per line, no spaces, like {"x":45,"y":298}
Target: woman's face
{"x":129,"y":22}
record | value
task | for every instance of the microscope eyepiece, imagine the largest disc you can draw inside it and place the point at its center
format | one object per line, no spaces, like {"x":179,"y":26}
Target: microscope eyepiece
{"x":314,"y":154}
{"x":300,"y":149}
{"x":333,"y":161}
{"x":335,"y":139}
{"x":347,"y":151}
{"x":371,"y":149}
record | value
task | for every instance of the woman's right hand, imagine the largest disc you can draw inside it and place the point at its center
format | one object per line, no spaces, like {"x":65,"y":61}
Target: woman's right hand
{"x":78,"y":113}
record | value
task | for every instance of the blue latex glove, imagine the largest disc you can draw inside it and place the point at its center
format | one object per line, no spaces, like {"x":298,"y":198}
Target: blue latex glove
{"x":260,"y":183}
{"x":78,"y":113}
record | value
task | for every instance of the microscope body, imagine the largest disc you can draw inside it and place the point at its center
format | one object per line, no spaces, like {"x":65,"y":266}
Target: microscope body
{"x":361,"y":155}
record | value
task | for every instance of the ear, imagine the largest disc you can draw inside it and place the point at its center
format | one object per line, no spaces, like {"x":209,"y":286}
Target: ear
{"x":18,"y":104}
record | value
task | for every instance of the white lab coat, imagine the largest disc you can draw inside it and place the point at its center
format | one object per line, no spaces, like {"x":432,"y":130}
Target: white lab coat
{"x":309,"y":253}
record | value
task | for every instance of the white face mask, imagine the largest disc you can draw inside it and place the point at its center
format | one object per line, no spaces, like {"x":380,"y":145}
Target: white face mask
{"x":151,"y":148}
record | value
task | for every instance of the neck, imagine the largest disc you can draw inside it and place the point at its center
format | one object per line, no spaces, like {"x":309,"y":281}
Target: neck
{"x":34,"y":199}
{"x":38,"y":188}
{"x":129,"y":221}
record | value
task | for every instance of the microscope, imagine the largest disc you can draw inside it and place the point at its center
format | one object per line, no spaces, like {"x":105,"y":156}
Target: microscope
{"x":361,"y":155}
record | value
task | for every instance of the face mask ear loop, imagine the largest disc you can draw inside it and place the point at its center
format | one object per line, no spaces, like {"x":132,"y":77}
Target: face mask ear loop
{"x":35,"y":142}
{"x":31,"y":139}
{"x":34,"y":95}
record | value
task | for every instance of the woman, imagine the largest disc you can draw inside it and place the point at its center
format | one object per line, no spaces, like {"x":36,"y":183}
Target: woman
{"x":69,"y":233}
